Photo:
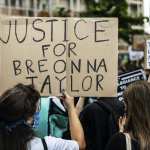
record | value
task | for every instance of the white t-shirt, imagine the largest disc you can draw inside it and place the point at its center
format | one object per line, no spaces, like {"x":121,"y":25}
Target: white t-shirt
{"x":53,"y":144}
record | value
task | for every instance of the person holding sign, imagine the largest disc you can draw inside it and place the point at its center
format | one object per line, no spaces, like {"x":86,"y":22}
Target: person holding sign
{"x":136,"y":135}
{"x":19,"y":113}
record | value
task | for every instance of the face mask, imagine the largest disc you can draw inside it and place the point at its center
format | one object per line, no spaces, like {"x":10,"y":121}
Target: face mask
{"x":36,"y":120}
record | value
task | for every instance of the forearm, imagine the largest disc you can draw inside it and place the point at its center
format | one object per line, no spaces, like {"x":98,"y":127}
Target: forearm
{"x":76,"y":129}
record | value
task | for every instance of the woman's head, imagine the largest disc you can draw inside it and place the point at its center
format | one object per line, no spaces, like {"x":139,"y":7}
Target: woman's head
{"x":19,"y":102}
{"x":17,"y":106}
{"x":137,"y":98}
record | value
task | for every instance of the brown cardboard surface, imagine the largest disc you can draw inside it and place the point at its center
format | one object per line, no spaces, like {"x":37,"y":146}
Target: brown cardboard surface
{"x":29,"y":52}
{"x":23,"y":57}
{"x":103,"y":52}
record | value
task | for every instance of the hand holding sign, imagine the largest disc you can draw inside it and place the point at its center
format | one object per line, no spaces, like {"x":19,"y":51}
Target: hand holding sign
{"x":68,"y":100}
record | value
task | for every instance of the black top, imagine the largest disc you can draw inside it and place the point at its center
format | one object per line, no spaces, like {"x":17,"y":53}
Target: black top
{"x":118,"y":142}
{"x":98,"y":124}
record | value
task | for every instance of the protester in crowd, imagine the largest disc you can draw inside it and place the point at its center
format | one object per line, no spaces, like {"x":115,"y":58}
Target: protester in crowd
{"x":136,"y":134}
{"x":19,"y":107}
{"x":100,"y":120}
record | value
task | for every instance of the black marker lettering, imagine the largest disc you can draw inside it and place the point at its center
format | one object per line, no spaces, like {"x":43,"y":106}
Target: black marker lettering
{"x":73,"y":90}
{"x":16,"y":66}
{"x":58,"y":68}
{"x":99,"y":30}
{"x":46,"y":83}
{"x":52,"y":28}
{"x":38,"y":29}
{"x":23,"y":39}
{"x":29,"y":64}
{"x":65,"y":30}
{"x":58,"y":51}
{"x":90,"y":66}
{"x":85,"y":81}
{"x":44,"y":48}
{"x":5,"y":42}
{"x":32,"y":79}
{"x":71,"y":47}
{"x":102,"y":64}
{"x":76,"y":67}
{"x":99,"y":79}
{"x":60,"y":83}
{"x":41,"y":65}
{"x":75,"y":30}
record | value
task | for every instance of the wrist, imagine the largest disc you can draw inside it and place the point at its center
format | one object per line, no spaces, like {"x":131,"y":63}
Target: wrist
{"x":71,"y":108}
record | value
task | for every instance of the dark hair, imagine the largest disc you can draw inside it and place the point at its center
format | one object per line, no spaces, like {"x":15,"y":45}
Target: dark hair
{"x":16,"y":104}
{"x":137,"y":97}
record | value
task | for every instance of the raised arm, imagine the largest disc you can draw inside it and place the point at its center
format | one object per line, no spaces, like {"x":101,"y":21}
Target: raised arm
{"x":76,"y":129}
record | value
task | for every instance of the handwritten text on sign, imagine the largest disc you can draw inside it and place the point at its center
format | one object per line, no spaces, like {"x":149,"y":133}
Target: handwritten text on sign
{"x":126,"y":79}
{"x":48,"y":52}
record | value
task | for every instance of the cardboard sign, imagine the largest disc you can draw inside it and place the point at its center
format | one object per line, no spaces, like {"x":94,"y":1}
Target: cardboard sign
{"x":44,"y":51}
{"x":92,"y":70}
{"x":125,"y":79}
{"x":33,"y":52}
{"x":135,"y":55}
{"x":147,"y":55}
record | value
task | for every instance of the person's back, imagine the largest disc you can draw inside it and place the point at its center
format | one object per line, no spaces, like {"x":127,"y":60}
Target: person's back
{"x":137,"y":126}
{"x":52,"y":143}
{"x":99,"y":123}
{"x":118,"y":142}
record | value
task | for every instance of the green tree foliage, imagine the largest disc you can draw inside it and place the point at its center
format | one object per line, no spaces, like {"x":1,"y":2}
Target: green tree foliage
{"x":116,"y":8}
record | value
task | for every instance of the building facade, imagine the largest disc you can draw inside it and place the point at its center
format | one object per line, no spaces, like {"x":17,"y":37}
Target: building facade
{"x":147,"y":14}
{"x":33,"y":7}
{"x":135,"y":8}
{"x":21,"y":7}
